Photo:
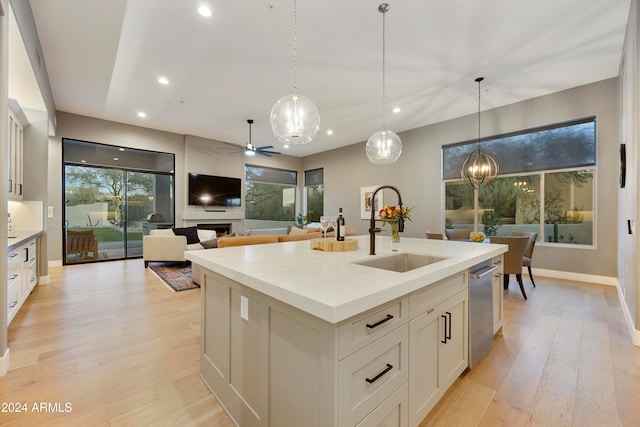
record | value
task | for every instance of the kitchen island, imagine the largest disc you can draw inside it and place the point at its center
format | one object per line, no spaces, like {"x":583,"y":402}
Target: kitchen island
{"x":293,"y":336}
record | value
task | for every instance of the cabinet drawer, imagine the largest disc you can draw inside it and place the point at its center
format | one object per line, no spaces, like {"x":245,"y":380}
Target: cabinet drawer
{"x":432,"y":295}
{"x":368,"y":377}
{"x":13,"y":298}
{"x":362,"y":330}
{"x":13,"y":261}
{"x":391,"y":413}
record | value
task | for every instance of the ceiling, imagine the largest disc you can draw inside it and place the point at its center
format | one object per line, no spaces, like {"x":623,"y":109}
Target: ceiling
{"x":104,"y":58}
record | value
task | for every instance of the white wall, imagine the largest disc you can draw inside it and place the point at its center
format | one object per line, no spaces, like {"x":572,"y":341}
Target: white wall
{"x":628,"y":268}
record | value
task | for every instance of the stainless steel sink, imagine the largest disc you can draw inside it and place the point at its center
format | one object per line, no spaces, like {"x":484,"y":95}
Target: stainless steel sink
{"x":402,"y":262}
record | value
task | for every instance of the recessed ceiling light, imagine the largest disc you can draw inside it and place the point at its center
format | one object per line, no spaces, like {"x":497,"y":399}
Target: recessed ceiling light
{"x":142,"y":114}
{"x":396,"y":110}
{"x":83,"y":161}
{"x":115,"y":158}
{"x":163,"y":80}
{"x":285,"y":146}
{"x":204,"y":11}
{"x":329,"y":132}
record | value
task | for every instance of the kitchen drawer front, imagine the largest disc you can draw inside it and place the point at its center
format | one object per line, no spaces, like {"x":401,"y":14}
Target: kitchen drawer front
{"x":13,"y":299}
{"x":13,"y":262}
{"x":368,"y":377}
{"x":432,"y":295}
{"x":362,"y":330}
{"x":391,"y":413}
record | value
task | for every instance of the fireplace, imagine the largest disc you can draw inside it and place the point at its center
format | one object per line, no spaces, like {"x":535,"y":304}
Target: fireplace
{"x":220,"y":229}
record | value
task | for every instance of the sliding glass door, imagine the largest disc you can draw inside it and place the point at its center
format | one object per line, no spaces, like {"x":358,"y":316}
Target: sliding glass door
{"x":112,"y":197}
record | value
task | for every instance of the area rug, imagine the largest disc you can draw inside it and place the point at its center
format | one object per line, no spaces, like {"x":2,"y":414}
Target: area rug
{"x":177,"y":277}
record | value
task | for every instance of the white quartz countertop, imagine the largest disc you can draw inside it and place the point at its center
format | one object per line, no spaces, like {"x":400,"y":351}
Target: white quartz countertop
{"x":21,"y":237}
{"x":330,"y":285}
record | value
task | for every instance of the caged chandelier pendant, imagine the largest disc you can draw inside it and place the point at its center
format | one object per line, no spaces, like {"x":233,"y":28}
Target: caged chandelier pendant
{"x":295,"y":118}
{"x":480,"y":167}
{"x":384,"y":146}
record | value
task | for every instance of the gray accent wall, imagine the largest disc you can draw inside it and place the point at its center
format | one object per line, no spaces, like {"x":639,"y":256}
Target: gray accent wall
{"x":418,"y":172}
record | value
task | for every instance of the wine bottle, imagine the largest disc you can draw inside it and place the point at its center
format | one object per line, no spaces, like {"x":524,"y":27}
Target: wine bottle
{"x":340,"y":228}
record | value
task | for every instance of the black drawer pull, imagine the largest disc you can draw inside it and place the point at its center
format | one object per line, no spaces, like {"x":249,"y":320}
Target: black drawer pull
{"x":13,"y":304}
{"x":380,"y":322}
{"x":444,"y":341}
{"x":449,"y":324}
{"x":377,"y":377}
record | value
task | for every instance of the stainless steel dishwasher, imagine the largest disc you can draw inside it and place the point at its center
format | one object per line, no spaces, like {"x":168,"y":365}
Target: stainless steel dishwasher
{"x":480,"y":310}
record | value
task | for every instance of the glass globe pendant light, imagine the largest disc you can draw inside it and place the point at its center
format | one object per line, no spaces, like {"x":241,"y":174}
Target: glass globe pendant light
{"x":479,"y":167}
{"x":295,"y":118}
{"x":384,"y":146}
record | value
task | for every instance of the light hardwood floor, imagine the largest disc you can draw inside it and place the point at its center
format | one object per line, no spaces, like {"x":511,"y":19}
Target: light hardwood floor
{"x":112,"y":341}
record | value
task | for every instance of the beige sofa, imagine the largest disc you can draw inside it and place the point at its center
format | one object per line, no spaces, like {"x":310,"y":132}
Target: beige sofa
{"x":165,"y":245}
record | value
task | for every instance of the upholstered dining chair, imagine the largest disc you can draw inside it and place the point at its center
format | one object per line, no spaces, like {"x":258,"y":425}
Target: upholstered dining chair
{"x":513,"y":257}
{"x":435,"y":236}
{"x":528,"y":253}
{"x":457,"y":234}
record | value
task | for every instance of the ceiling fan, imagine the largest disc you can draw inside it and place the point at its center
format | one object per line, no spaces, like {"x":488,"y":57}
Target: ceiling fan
{"x":250,"y":150}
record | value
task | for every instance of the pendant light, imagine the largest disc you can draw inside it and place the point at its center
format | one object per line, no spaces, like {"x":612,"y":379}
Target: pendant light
{"x":480,"y":167}
{"x":384,"y":146}
{"x":295,"y":118}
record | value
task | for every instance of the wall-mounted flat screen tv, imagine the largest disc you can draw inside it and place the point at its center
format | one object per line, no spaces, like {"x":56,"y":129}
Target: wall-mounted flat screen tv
{"x":208,"y":190}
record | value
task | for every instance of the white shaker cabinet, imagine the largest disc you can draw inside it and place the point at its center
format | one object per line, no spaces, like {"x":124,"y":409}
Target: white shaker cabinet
{"x":22,"y":275}
{"x":16,"y":151}
{"x":439,"y":345}
{"x":497,"y":284}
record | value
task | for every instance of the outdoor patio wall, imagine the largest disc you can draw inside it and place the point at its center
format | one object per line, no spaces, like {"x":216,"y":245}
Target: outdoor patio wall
{"x":418,"y":171}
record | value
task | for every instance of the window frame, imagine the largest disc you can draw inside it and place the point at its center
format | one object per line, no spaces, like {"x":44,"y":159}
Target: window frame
{"x":537,"y":172}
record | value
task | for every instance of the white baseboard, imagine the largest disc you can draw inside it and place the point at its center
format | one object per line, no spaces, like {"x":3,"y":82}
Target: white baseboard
{"x":4,"y":363}
{"x":44,"y":280}
{"x":55,"y":263}
{"x":633,"y":332}
{"x":578,"y":277}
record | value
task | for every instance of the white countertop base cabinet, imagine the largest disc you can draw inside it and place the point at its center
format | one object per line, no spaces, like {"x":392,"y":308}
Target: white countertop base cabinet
{"x":270,"y":364}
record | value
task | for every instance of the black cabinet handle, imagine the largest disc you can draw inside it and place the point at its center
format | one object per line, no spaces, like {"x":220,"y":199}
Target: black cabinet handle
{"x":444,"y":341}
{"x":377,"y":377}
{"x":380,"y":322}
{"x":449,"y":324}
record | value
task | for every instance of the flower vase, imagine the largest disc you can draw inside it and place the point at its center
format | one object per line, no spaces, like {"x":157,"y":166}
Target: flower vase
{"x":395,"y":234}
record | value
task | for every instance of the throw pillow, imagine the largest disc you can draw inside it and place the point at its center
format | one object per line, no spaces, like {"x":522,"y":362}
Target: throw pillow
{"x":209,"y":244}
{"x":191,"y":233}
{"x":295,"y":230}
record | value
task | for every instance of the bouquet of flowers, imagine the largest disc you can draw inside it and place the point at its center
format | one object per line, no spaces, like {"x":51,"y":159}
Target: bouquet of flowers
{"x":392,"y":213}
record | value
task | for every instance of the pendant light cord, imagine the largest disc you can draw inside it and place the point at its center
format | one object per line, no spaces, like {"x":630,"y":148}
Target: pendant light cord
{"x":479,"y":79}
{"x":383,"y":8}
{"x":295,"y":47}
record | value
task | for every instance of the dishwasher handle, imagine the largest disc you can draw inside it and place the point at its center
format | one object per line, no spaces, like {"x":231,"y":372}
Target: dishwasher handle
{"x":482,"y":272}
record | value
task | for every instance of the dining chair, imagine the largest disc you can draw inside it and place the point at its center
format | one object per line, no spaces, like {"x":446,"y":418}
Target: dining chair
{"x":512,"y":263}
{"x":528,"y":253}
{"x":435,"y":236}
{"x":457,"y":233}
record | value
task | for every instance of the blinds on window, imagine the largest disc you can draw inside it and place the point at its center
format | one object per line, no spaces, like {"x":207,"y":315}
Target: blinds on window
{"x":560,"y":146}
{"x":314,"y":177}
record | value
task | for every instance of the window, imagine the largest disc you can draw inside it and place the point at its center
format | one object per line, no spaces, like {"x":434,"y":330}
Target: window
{"x":314,"y":194}
{"x":546,"y":185}
{"x":270,"y":197}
